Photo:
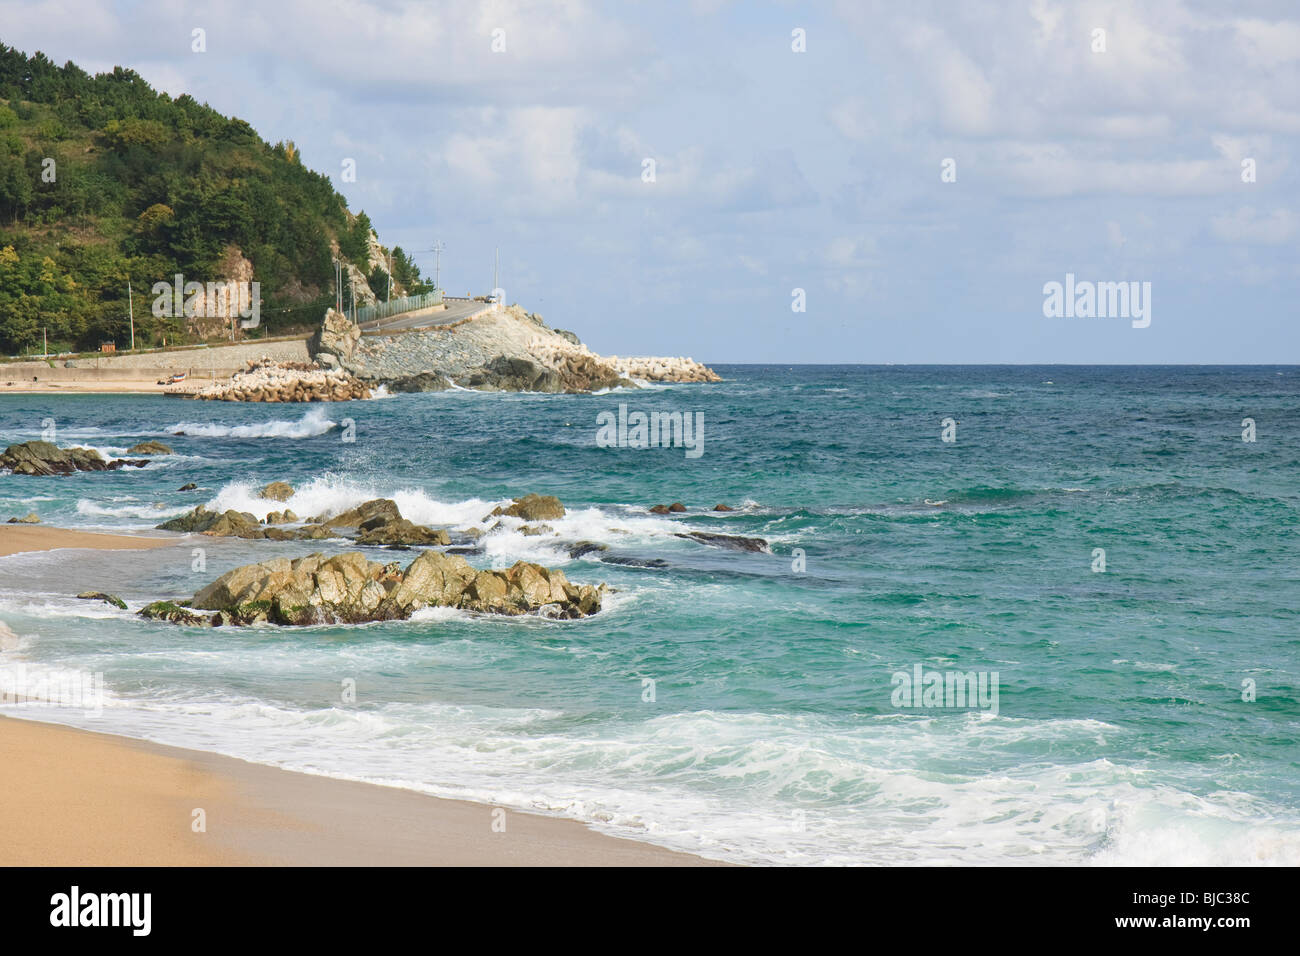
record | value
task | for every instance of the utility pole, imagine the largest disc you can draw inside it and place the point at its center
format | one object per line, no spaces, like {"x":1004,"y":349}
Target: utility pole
{"x":352,"y":285}
{"x":390,"y":276}
{"x":437,"y":263}
{"x":130,"y":305}
{"x":45,"y":344}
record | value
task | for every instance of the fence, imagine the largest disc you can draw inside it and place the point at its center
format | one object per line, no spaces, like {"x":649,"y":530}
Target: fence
{"x":410,"y":303}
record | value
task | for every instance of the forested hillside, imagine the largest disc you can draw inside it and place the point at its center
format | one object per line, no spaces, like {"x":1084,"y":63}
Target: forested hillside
{"x":103,"y":179}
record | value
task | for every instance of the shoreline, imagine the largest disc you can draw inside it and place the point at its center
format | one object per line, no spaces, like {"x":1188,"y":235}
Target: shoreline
{"x":25,"y":538}
{"x":87,"y":798}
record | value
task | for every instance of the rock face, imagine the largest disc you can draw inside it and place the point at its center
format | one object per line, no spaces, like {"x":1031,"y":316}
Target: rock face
{"x":421,"y":382}
{"x":346,"y":588}
{"x":337,"y":337}
{"x":46,"y":458}
{"x":532,"y":507}
{"x":515,"y":374}
{"x":149,"y":448}
{"x":493,"y":350}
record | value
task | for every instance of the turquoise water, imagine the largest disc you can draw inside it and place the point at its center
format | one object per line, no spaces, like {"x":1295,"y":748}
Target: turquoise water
{"x":1120,"y":733}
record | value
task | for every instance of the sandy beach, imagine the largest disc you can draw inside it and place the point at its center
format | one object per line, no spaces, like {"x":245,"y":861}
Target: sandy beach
{"x":15,"y":538}
{"x":89,"y":799}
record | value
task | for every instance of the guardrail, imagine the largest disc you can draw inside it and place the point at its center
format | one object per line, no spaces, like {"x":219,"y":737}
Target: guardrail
{"x":409,"y":303}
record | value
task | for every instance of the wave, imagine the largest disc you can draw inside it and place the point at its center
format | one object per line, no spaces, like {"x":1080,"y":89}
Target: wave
{"x":313,"y":423}
{"x":157,"y":510}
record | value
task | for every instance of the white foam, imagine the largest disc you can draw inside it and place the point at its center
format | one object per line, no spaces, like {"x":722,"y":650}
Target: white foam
{"x":313,"y":423}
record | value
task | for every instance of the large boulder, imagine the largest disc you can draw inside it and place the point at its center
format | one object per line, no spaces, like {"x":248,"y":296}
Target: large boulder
{"x":532,"y":507}
{"x":336,"y":337}
{"x":346,"y":588}
{"x":230,"y":523}
{"x":277,"y":491}
{"x":47,"y":458}
{"x":421,"y":382}
{"x":513,"y":373}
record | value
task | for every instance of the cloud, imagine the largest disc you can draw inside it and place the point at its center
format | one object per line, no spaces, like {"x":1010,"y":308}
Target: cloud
{"x":1247,"y":226}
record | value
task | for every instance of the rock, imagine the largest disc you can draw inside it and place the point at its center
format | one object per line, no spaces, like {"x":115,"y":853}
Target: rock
{"x":175,"y":613}
{"x":239,"y":524}
{"x":568,"y":336}
{"x":723,"y":508}
{"x":676,"y":507}
{"x":532,"y":507}
{"x":149,"y":448}
{"x":422,"y":382}
{"x":533,"y":530}
{"x":585,"y":547}
{"x":269,"y":381}
{"x":514,"y":374}
{"x":280,"y":517}
{"x":46,"y":458}
{"x":635,"y":562}
{"x":112,"y":599}
{"x":277,"y":491}
{"x":400,"y":532}
{"x":336,"y":337}
{"x":734,"y":542}
{"x":659,"y":510}
{"x":188,"y":486}
{"x":383,"y":508}
{"x":346,"y":588}
{"x":30,"y":518}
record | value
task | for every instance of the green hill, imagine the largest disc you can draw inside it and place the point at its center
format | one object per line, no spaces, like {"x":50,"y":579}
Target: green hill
{"x":103,"y":179}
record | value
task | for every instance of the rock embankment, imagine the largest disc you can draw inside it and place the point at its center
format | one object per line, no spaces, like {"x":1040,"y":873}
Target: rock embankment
{"x":507,"y":349}
{"x":268,"y":381}
{"x":47,"y":458}
{"x":348,"y":589}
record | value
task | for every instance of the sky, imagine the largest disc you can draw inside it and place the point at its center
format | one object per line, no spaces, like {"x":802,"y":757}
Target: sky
{"x":920,"y":171}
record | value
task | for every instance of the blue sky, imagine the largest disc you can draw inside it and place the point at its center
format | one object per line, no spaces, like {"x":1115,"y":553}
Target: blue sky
{"x":777,"y":170}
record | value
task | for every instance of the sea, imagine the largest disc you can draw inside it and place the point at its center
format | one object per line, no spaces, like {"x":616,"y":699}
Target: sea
{"x":1107,"y":558}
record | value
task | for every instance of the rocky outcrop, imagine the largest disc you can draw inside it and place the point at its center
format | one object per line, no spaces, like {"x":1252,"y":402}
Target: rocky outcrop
{"x":422,"y":382}
{"x":377,"y":523}
{"x":268,"y":381}
{"x":30,"y":518}
{"x":149,"y":448}
{"x":348,"y":589}
{"x":276,"y":491}
{"x":46,"y":458}
{"x":337,"y":338}
{"x":506,"y":349}
{"x":531,"y":507}
{"x":514,"y":374}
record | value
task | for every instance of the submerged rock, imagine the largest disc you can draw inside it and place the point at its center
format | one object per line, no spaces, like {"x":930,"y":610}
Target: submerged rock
{"x":346,"y":588}
{"x":112,"y":599}
{"x":47,"y":458}
{"x":581,"y":548}
{"x":734,"y":542}
{"x":188,"y":486}
{"x":150,"y":448}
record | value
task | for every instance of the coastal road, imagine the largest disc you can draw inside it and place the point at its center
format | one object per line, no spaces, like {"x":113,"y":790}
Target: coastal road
{"x":456,"y":310}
